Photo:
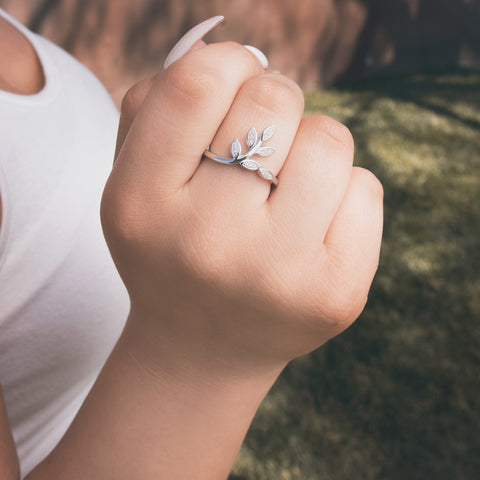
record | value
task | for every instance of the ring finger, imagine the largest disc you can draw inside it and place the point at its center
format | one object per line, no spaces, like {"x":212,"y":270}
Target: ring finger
{"x":263,"y":101}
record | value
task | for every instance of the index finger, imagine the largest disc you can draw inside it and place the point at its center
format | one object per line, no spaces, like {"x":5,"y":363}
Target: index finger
{"x":181,"y":113}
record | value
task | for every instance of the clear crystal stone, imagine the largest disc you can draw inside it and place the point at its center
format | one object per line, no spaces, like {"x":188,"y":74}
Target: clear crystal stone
{"x":250,"y":164}
{"x":266,"y":174}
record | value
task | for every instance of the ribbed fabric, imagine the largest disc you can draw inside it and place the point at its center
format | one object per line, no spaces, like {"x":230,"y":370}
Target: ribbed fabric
{"x":62,"y":304}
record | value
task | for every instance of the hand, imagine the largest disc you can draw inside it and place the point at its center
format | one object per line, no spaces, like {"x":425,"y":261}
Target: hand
{"x":226,"y":276}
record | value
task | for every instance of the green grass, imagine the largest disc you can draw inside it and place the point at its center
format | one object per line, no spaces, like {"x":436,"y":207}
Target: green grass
{"x":397,"y":396}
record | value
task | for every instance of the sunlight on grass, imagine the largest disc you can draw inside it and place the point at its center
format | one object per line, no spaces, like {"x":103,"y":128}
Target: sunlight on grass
{"x":397,"y":396}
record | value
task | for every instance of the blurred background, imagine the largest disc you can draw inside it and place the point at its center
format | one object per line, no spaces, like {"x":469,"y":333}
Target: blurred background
{"x":397,"y":396}
{"x":317,"y":42}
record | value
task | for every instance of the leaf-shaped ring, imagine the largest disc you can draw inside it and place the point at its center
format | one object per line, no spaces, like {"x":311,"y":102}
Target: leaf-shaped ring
{"x":255,"y":148}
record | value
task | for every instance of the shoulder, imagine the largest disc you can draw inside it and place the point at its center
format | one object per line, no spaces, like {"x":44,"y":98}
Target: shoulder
{"x":20,"y":68}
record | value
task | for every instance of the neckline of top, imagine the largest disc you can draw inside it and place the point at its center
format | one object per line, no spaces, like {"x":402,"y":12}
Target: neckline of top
{"x":50,"y":86}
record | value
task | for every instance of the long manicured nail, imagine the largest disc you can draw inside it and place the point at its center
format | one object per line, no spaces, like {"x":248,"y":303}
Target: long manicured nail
{"x":259,"y":54}
{"x":190,"y":38}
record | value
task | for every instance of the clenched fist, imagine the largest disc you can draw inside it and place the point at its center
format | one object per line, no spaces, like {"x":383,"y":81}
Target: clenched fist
{"x":227,"y":275}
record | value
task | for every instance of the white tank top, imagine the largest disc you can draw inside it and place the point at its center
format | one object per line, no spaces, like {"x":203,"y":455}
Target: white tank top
{"x":62,"y":304}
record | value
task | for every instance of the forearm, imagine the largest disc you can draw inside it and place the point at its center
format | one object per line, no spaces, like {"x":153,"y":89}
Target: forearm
{"x":151,"y":422}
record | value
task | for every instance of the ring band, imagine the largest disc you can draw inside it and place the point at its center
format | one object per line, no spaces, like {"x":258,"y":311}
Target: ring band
{"x":255,"y":148}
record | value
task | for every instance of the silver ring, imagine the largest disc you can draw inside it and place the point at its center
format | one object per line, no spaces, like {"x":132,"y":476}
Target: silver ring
{"x":255,"y":148}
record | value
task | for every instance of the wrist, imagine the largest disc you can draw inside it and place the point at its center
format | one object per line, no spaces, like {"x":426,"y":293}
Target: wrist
{"x":156,"y":413}
{"x":183,"y":360}
{"x":206,"y":407}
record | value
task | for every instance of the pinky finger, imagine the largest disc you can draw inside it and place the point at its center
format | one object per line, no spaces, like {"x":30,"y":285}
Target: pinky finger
{"x":353,"y":240}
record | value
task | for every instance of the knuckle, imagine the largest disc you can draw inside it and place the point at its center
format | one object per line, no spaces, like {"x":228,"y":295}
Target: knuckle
{"x":340,"y":296}
{"x":348,"y":295}
{"x":134,"y":97}
{"x":369,"y":181}
{"x":343,"y":306}
{"x":188,"y":84}
{"x":208,"y":71}
{"x":121,"y":215}
{"x":336,"y":131}
{"x":274,"y":92}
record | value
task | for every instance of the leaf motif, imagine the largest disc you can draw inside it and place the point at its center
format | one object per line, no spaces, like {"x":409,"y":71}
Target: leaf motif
{"x":236,"y":148}
{"x":250,"y":164}
{"x":265,"y":151}
{"x":251,"y":137}
{"x":265,"y":173}
{"x":268,"y":133}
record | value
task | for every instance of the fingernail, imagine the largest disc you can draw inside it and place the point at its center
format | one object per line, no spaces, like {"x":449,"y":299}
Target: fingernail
{"x":189,"y":39}
{"x":259,"y":54}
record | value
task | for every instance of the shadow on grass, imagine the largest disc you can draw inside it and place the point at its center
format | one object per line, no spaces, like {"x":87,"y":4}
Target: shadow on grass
{"x":433,"y":92}
{"x":398,"y":395}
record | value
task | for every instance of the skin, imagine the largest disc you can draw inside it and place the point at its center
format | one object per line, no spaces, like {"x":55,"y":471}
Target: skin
{"x":21,"y":69}
{"x":9,"y":468}
{"x":228,"y":280}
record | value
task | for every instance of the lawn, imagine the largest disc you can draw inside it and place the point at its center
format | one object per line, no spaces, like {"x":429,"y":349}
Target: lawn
{"x":397,"y":396}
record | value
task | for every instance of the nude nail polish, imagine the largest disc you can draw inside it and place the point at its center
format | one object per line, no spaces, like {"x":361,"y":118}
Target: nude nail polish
{"x":190,"y":38}
{"x":259,"y":54}
{"x":199,"y":31}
